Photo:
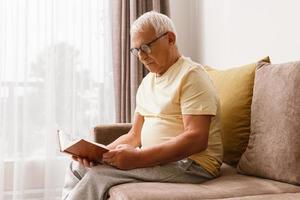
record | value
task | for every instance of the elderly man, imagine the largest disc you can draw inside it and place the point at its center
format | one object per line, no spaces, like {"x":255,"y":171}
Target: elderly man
{"x":175,"y":135}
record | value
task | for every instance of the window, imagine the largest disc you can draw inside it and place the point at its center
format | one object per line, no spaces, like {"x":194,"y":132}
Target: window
{"x":55,"y":73}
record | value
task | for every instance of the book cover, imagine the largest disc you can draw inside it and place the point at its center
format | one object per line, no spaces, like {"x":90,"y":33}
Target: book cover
{"x":81,"y":147}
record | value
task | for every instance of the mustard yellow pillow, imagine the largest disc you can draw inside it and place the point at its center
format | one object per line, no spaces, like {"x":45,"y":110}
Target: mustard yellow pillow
{"x":235,"y":87}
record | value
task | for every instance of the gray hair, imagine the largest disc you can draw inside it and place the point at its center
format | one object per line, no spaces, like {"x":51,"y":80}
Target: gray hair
{"x":161,"y":23}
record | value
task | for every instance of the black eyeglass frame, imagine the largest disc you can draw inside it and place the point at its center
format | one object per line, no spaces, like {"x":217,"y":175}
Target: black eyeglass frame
{"x":135,"y":51}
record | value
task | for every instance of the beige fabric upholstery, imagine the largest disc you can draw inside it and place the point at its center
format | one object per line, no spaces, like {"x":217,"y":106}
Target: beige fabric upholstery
{"x":285,"y":196}
{"x":107,"y":133}
{"x":274,"y":146}
{"x":229,"y":185}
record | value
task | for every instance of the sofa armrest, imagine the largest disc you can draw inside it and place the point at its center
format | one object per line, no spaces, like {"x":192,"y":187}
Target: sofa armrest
{"x":107,"y":133}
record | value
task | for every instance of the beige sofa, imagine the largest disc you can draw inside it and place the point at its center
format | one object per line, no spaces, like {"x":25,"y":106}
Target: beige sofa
{"x":264,"y":143}
{"x":230,"y":185}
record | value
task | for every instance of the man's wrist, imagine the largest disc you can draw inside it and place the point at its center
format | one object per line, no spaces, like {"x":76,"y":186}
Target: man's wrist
{"x":141,"y":158}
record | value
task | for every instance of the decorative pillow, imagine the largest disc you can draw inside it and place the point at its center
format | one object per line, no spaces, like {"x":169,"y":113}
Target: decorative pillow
{"x":274,"y":145}
{"x":235,"y":87}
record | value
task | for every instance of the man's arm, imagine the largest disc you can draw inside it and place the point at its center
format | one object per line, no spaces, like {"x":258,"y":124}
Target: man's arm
{"x":133,"y":137}
{"x":194,"y":139}
{"x":130,"y":140}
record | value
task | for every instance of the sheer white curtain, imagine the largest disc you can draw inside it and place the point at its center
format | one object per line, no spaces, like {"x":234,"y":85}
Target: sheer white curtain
{"x":55,"y":73}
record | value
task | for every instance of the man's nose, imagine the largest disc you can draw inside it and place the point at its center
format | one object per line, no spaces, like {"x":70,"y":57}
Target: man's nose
{"x":142,"y":55}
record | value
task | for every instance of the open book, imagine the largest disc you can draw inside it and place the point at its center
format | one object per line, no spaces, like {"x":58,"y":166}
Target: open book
{"x":81,"y":147}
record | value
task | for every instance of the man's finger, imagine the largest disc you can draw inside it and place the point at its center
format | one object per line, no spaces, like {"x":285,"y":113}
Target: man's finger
{"x":109,"y":154}
{"x":75,"y":158}
{"x":92,"y":164}
{"x":86,"y":163}
{"x":108,"y":161}
{"x":80,"y":160}
{"x":121,"y":146}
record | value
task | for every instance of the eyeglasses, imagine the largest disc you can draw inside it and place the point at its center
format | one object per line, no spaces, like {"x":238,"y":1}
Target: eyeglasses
{"x":146,"y":47}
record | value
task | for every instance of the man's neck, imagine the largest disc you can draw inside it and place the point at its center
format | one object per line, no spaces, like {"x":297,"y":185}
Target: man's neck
{"x":172,"y":60}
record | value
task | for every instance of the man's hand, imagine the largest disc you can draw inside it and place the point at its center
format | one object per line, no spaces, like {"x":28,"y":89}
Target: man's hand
{"x":123,"y":157}
{"x":84,"y":161}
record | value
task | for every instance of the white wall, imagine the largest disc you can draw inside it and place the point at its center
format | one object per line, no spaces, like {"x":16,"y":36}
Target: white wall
{"x":233,"y":32}
{"x":185,"y":15}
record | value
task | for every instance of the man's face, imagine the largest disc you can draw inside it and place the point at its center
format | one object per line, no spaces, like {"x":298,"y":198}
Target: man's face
{"x":157,"y":61}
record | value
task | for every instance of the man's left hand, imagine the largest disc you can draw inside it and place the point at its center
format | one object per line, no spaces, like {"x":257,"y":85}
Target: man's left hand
{"x":123,"y":157}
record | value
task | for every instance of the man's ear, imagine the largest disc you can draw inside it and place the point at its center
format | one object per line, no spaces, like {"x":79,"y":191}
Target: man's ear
{"x":172,"y":38}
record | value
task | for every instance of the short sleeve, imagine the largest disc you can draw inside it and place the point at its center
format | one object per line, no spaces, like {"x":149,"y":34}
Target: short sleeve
{"x":198,"y":95}
{"x":137,"y":99}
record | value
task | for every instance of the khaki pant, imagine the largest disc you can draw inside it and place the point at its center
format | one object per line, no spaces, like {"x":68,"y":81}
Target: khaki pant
{"x":94,"y":183}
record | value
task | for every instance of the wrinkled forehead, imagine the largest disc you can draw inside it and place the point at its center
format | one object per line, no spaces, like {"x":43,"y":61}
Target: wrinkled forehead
{"x":143,"y":36}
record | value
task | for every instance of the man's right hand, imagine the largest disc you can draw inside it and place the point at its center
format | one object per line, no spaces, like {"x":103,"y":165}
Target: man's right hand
{"x":84,"y":162}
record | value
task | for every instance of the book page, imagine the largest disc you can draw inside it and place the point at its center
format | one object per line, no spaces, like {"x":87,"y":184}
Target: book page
{"x":65,"y":140}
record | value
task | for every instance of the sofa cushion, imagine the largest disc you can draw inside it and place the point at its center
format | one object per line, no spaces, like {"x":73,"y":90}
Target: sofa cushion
{"x":229,"y":185}
{"x":274,"y":145}
{"x":235,"y":88}
{"x":284,"y":196}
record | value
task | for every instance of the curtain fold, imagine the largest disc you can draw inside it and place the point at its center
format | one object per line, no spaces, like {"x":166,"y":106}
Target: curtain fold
{"x":128,"y":71}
